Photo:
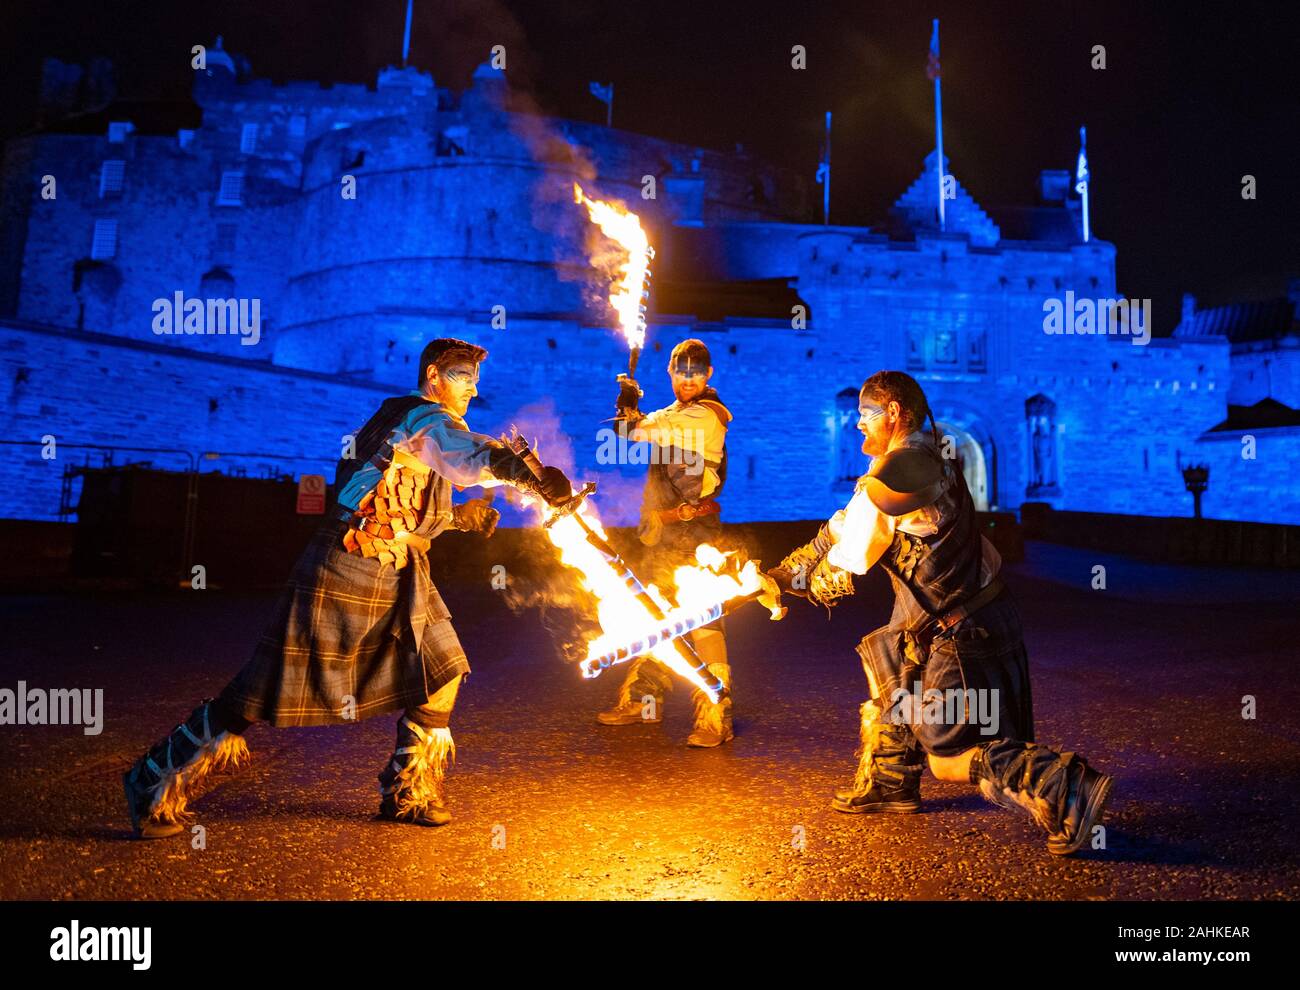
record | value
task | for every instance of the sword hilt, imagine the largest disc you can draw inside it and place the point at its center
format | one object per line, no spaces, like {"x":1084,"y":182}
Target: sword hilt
{"x":570,"y":505}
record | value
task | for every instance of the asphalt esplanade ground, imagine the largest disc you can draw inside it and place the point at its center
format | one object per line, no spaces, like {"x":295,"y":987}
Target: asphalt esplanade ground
{"x":1146,"y":678}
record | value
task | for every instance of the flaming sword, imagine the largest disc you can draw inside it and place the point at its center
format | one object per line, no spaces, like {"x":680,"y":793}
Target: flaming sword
{"x":681,"y":623}
{"x":694,"y":669}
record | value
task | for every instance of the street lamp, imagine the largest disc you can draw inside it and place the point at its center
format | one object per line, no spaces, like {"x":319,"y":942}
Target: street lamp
{"x":1196,"y":478}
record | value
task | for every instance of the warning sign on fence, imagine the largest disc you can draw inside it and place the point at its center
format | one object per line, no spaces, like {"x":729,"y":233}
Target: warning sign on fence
{"x":311,"y":495}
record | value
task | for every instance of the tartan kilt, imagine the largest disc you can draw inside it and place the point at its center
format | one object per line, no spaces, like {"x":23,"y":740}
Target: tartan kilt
{"x":344,"y":628}
{"x":984,"y":652}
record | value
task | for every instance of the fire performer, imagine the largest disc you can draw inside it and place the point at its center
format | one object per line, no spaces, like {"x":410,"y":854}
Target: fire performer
{"x":679,"y":511}
{"x":361,"y":629}
{"x":955,"y":629}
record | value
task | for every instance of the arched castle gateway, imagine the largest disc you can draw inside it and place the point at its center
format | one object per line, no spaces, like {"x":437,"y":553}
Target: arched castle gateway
{"x":365,"y":221}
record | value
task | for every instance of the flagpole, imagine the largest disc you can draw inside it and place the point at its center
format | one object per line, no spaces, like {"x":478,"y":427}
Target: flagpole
{"x":826,"y":187}
{"x":609,"y":108}
{"x":938,"y":120}
{"x":406,"y":37}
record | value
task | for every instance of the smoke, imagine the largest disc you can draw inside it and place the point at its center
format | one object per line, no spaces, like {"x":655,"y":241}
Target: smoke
{"x":539,"y":423}
{"x":566,"y":611}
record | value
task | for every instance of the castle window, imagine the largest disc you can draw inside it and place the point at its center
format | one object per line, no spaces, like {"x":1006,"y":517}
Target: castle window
{"x":104,"y":243}
{"x":231,"y":192}
{"x":217,"y":284}
{"x":976,"y":354}
{"x":297,"y":125}
{"x":111,"y":174}
{"x":248,"y":139}
{"x":118,"y":131}
{"x":849,"y":463}
{"x":915,"y":347}
{"x":452,"y":141}
{"x":184,"y":138}
{"x":224,"y":244}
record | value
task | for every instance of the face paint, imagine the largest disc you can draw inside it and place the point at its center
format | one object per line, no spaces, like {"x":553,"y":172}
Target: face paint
{"x":462,"y":375}
{"x":456,"y":386}
{"x":690,"y":370}
{"x":690,"y":378}
{"x":867,"y":411}
{"x":873,"y":426}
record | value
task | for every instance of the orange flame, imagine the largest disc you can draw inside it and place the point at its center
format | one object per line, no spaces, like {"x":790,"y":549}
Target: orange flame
{"x":700,"y":586}
{"x":624,"y":228}
{"x":621,"y":615}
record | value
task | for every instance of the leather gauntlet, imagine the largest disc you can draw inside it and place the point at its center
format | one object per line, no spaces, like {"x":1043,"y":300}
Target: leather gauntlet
{"x":475,"y":516}
{"x":828,"y":583}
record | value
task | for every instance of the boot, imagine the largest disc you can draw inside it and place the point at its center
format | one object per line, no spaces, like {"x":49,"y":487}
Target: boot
{"x":712,"y":722}
{"x":633,"y":711}
{"x":640,"y":699}
{"x":1064,"y":795}
{"x":411,"y":786}
{"x":161,"y":784}
{"x":890,"y":762}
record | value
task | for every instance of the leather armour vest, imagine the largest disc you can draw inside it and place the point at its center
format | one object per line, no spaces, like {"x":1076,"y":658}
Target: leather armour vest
{"x":941,"y":571}
{"x":391,"y":518}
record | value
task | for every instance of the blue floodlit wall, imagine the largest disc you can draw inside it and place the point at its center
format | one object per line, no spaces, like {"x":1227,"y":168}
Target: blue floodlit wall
{"x":463,"y":212}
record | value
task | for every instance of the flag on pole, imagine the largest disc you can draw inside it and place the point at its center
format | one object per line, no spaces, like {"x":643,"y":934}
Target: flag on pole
{"x":824,"y":172}
{"x":606,"y":96}
{"x":1083,"y":179}
{"x":1081,"y":173}
{"x":932,"y":62}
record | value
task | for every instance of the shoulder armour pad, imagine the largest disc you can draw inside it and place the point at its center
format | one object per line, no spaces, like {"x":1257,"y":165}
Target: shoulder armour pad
{"x":904,"y":480}
{"x":719,"y":410}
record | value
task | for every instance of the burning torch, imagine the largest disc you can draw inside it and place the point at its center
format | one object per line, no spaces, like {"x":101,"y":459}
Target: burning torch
{"x":630,"y":295}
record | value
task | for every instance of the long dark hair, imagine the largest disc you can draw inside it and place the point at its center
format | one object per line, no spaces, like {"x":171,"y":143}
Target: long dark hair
{"x":885,"y":387}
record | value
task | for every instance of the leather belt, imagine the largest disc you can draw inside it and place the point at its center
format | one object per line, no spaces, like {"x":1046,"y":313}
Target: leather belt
{"x":686,"y":511}
{"x":976,"y":602}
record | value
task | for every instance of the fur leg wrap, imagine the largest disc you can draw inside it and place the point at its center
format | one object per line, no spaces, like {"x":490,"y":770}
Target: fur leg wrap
{"x":712,"y":717}
{"x":1033,"y":778}
{"x":173,"y":771}
{"x":414,"y":777}
{"x":646,"y":676}
{"x":888,"y":753}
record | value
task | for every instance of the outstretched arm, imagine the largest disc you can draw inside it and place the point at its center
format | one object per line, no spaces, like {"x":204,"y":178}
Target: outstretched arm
{"x":850,"y":542}
{"x":466,"y":458}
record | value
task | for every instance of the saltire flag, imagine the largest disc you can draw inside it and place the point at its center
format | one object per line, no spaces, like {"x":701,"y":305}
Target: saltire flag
{"x":1081,"y":174}
{"x":603,"y":93}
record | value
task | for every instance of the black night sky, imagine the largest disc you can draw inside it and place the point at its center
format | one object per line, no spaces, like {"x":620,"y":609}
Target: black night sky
{"x":1193,"y":97}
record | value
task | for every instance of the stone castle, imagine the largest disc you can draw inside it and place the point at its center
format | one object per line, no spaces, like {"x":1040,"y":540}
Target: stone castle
{"x":361,"y":222}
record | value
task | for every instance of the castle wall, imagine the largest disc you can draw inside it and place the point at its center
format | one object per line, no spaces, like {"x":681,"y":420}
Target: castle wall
{"x":461,"y":208}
